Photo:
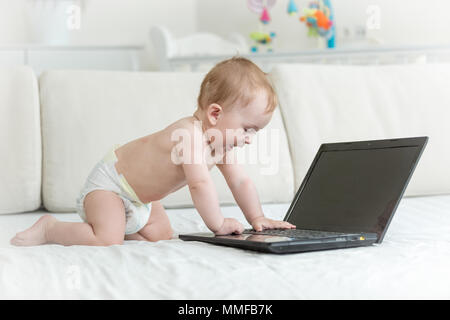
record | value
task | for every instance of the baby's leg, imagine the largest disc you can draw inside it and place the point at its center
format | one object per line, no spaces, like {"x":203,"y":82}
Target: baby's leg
{"x":105,"y":225}
{"x":157,"y":228}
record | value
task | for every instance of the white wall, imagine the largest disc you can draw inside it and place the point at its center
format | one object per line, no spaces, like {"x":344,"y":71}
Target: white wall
{"x":121,"y":22}
{"x":233,"y":16}
{"x":13,"y":26}
{"x":102,"y":22}
{"x":128,"y":21}
{"x":402,"y":22}
{"x":115,"y":22}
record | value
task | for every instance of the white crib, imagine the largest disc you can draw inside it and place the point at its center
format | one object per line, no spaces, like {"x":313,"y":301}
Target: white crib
{"x":199,"y":52}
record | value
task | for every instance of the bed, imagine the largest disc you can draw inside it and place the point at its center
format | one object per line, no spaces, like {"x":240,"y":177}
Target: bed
{"x":413,"y":262}
{"x":72,"y":117}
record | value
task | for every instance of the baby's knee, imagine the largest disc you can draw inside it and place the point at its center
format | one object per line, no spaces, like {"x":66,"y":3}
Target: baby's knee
{"x":162,"y":231}
{"x":163,"y":224}
{"x":158,"y":230}
{"x":106,"y":240}
{"x":167,"y":232}
{"x":109,"y":242}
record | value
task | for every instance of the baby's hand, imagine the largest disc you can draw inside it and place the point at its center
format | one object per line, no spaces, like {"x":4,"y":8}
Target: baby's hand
{"x":261,"y":223}
{"x":229,"y":226}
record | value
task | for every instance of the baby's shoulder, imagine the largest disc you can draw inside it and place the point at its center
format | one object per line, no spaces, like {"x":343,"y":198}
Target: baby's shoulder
{"x":184,"y":127}
{"x":187,"y":139}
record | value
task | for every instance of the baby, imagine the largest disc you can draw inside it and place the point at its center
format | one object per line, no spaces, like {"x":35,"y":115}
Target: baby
{"x":120,"y":199}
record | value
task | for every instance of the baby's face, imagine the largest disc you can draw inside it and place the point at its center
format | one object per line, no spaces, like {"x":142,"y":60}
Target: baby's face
{"x":238,"y":125}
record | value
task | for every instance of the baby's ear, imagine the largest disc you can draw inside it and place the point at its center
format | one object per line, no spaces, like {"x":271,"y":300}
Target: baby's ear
{"x":213,"y":113}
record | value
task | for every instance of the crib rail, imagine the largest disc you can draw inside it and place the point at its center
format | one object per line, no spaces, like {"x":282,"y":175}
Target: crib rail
{"x":352,"y":56}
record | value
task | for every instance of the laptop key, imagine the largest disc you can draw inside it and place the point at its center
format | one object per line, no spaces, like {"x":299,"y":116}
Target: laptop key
{"x":295,"y":233}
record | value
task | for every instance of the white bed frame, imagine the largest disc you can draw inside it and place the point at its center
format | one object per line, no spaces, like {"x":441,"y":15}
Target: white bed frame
{"x":361,"y":56}
{"x":197,"y":52}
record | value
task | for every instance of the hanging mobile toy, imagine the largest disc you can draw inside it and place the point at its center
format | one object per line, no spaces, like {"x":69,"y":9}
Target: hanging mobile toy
{"x":318,"y":18}
{"x":258,"y":7}
{"x":292,"y":8}
{"x":262,"y":37}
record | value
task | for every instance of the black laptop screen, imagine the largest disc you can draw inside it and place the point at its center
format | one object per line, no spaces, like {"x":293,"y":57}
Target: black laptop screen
{"x":353,"y":190}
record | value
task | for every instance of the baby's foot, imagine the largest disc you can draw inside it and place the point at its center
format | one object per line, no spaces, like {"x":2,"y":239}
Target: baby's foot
{"x":36,"y":234}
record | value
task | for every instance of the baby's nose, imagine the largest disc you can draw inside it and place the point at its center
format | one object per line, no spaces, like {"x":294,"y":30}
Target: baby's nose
{"x":248,"y":139}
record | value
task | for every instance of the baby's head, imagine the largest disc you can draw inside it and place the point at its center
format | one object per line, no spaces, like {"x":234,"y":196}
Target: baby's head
{"x":236,"y":98}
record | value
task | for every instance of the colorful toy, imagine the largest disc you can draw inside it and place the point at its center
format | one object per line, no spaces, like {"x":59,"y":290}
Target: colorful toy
{"x":319,"y":20}
{"x":318,"y":17}
{"x":332,"y":38}
{"x":262,"y":37}
{"x":261,"y":7}
{"x":292,"y":8}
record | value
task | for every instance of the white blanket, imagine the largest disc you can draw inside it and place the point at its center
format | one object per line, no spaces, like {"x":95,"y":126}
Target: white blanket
{"x":413,"y":262}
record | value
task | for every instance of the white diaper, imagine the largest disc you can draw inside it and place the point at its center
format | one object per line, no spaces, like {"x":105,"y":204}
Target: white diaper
{"x":104,"y":176}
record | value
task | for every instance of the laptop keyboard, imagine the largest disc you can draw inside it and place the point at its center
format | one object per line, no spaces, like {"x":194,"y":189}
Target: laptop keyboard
{"x":295,"y":233}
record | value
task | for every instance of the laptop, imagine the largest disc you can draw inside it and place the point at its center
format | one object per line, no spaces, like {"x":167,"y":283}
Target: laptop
{"x":347,"y":199}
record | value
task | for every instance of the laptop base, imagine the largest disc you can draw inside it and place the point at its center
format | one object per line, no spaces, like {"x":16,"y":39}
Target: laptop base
{"x":280,"y":245}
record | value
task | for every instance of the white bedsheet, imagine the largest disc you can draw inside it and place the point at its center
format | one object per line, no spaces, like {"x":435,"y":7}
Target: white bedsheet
{"x":413,"y":262}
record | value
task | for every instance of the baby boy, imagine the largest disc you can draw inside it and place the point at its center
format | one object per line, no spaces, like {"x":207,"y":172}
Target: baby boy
{"x":120,"y":199}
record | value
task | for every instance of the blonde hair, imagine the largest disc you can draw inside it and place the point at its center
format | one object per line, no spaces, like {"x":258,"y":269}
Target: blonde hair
{"x":235,"y":80}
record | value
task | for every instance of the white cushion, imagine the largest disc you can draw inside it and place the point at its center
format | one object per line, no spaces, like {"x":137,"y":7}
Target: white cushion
{"x":332,"y":103}
{"x":85,"y":112}
{"x":20,"y":158}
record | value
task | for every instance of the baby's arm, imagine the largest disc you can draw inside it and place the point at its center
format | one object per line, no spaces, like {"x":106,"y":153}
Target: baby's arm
{"x":246,"y":196}
{"x":204,"y":194}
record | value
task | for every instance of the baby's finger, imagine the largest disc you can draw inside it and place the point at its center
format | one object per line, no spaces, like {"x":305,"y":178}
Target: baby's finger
{"x":258,"y":227}
{"x":273,"y":225}
{"x":239,"y":229}
{"x":286,"y":225}
{"x":290,"y":225}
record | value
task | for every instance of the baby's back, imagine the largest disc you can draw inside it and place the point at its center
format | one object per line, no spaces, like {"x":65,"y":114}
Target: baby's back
{"x":147,"y":165}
